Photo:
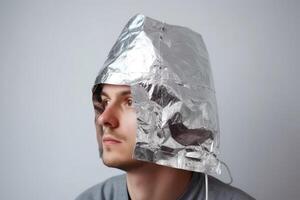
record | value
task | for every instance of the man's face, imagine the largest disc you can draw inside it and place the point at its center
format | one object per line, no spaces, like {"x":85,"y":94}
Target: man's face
{"x":116,"y":126}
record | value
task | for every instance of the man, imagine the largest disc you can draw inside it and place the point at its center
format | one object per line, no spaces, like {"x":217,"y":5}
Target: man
{"x":148,"y":126}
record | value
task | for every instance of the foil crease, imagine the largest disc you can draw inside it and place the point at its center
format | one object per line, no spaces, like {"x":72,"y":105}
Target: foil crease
{"x":168,"y":69}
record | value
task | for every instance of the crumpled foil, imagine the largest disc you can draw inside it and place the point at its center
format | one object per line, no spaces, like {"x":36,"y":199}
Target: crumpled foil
{"x":168,"y":69}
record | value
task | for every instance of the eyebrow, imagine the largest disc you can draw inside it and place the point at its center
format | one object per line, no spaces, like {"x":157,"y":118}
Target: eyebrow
{"x":121,"y":93}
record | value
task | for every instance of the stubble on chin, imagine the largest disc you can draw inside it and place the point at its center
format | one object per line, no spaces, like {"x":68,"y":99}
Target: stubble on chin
{"x":125,"y":165}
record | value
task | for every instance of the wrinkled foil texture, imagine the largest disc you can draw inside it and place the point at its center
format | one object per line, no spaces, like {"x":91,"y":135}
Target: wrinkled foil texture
{"x":168,"y":69}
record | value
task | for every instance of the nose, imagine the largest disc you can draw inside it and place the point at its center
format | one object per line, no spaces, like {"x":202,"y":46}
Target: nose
{"x":110,"y":117}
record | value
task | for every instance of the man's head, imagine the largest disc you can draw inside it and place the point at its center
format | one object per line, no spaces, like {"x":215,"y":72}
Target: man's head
{"x":116,"y":125}
{"x":168,"y":71}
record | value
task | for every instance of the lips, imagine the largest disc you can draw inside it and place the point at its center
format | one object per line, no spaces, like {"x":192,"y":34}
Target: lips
{"x":110,"y":140}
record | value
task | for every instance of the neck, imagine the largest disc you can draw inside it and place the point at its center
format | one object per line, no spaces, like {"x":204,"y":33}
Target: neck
{"x":152,"y":181}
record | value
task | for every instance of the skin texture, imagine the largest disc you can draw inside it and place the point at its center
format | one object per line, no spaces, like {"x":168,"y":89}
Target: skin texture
{"x":116,"y":126}
{"x":116,"y":118}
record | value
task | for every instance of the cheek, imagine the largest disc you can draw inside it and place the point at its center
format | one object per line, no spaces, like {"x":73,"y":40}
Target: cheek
{"x":130,"y":126}
{"x":99,"y":134}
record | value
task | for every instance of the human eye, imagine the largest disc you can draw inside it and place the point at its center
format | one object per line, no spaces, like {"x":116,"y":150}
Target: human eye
{"x":104,"y":103}
{"x":100,"y":106}
{"x":129,"y":102}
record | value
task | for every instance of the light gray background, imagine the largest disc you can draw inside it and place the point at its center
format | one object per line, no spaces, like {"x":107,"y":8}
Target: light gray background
{"x":50,"y":53}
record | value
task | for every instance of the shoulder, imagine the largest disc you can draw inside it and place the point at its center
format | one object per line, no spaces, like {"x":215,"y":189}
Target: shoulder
{"x":111,"y":188}
{"x":220,"y":190}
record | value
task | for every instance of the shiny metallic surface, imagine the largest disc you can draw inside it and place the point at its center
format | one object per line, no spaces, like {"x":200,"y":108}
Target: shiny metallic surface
{"x":168,"y":69}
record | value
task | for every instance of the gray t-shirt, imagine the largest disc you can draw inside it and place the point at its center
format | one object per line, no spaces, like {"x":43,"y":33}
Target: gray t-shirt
{"x":115,"y":188}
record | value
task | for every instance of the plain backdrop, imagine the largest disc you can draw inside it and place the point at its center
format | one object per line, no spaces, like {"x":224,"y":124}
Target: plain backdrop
{"x":51,"y":52}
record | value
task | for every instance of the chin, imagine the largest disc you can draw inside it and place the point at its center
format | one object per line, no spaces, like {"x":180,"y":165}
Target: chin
{"x":122,"y":164}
